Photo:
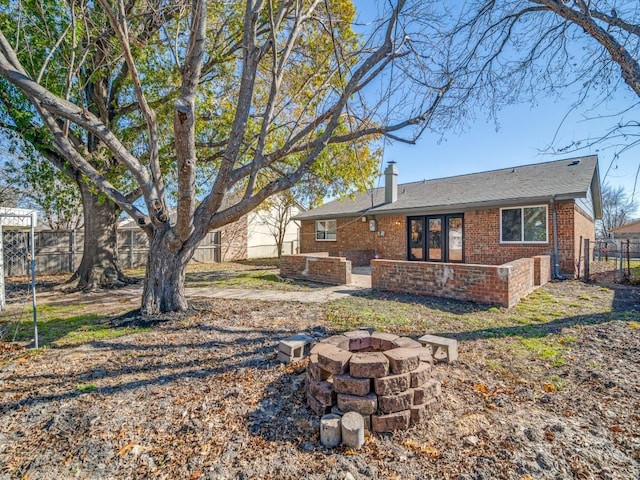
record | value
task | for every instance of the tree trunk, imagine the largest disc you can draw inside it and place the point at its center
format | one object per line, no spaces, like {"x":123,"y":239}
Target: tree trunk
{"x":164,"y":289}
{"x":280,"y":244}
{"x":99,"y":267}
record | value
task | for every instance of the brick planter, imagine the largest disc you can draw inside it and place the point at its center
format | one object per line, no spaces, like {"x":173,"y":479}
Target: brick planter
{"x":385,"y":378}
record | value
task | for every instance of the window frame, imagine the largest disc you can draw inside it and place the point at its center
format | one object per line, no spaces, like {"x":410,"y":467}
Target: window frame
{"x":522,"y":216}
{"x":335,"y":230}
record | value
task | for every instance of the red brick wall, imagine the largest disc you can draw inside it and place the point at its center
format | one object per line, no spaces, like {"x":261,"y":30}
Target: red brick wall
{"x":393,"y":245}
{"x":359,"y":258}
{"x":566,"y":244}
{"x":493,"y":284}
{"x":352,"y":235}
{"x":520,"y":280}
{"x":316,"y":267}
{"x":541,"y":269}
{"x":585,"y":227}
{"x":482,"y":240}
{"x":233,"y":239}
{"x":482,"y":244}
{"x":356,"y":242}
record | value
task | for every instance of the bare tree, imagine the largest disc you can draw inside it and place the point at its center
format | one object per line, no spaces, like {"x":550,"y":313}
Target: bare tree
{"x":263,"y":91}
{"x":617,"y":209}
{"x":521,"y":50}
{"x":276,"y":215}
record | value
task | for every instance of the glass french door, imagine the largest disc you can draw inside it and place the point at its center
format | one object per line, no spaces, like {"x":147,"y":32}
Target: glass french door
{"x":455,"y":252}
{"x":436,"y":238}
{"x":416,"y":238}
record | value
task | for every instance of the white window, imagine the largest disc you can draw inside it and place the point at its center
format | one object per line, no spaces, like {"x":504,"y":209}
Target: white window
{"x":326,"y":230}
{"x":524,"y":224}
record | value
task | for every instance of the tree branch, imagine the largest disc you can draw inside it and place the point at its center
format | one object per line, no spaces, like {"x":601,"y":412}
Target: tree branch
{"x":184,"y":121}
{"x":121,"y":30}
{"x":11,"y":69}
{"x":250,"y":59}
{"x":628,"y":65}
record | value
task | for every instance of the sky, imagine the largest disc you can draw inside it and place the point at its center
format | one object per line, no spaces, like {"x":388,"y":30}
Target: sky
{"x":524,"y":134}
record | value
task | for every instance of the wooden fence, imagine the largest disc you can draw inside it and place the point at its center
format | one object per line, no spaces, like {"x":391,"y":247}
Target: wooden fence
{"x":61,"y":251}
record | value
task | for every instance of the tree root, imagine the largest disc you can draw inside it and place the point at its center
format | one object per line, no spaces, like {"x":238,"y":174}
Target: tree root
{"x":96,"y":279}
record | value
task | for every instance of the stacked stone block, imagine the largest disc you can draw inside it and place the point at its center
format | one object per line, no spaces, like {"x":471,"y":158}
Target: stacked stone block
{"x":295,"y":348}
{"x":385,"y":378}
{"x":442,"y":349}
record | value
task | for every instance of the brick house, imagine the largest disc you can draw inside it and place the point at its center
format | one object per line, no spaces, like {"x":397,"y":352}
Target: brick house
{"x":487,"y":218}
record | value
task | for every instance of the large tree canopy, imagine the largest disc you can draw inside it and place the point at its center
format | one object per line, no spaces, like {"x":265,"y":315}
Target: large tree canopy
{"x":50,"y":38}
{"x":195,"y":100}
{"x":41,"y":186}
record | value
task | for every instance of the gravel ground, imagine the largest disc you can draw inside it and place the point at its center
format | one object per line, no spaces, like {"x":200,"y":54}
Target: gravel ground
{"x":201,"y":396}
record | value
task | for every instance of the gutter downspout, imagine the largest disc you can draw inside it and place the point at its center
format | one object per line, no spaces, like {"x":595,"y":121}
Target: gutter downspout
{"x":556,"y":256}
{"x":298,"y":224}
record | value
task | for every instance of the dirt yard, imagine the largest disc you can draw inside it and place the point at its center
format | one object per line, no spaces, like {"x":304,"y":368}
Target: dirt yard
{"x":547,"y":390}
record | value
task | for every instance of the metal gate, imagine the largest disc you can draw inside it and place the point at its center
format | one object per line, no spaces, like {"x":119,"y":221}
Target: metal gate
{"x":17,"y":271}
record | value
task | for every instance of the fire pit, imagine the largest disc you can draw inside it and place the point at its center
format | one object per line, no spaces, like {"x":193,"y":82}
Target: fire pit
{"x":384,"y":377}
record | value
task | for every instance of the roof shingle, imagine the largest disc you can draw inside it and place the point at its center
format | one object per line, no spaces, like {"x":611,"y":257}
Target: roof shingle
{"x":561,"y":179}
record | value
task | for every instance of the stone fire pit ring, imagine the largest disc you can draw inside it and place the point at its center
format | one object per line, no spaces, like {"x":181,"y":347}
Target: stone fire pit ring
{"x":386,"y":378}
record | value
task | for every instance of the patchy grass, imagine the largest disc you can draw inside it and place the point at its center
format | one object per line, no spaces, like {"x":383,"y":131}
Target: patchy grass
{"x":634,"y":272}
{"x":65,"y":325}
{"x":494,"y":365}
{"x":261,"y":262}
{"x":86,"y":387}
{"x":535,"y":323}
{"x":256,"y":279}
{"x":259,"y":274}
{"x":548,"y":349}
{"x":538,"y":312}
{"x":532,"y":330}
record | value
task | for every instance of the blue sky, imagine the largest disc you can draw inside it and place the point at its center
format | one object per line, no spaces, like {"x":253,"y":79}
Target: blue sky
{"x":524,"y":134}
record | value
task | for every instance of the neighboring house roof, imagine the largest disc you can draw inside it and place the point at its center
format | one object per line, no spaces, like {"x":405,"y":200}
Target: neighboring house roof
{"x":633,"y":227}
{"x":540,"y":182}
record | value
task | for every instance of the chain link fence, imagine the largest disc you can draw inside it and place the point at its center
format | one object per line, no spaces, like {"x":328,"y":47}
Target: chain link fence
{"x":620,"y":257}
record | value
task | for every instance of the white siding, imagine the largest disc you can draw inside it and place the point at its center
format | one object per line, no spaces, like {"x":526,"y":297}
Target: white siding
{"x":260,"y":241}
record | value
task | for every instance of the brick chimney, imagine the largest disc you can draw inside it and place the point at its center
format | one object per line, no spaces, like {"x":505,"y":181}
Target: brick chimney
{"x":391,"y":183}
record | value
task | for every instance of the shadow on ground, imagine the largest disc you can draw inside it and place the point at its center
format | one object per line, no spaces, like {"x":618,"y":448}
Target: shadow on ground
{"x":625,"y":306}
{"x":249,"y":348}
